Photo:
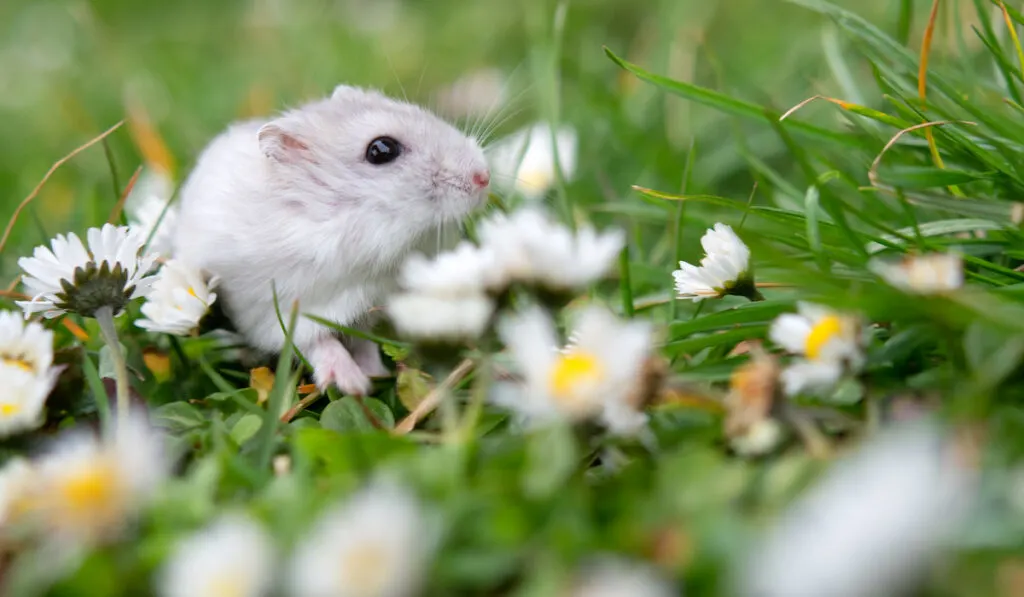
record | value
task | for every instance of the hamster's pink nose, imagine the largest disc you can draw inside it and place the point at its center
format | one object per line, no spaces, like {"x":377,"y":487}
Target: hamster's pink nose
{"x":482,"y":178}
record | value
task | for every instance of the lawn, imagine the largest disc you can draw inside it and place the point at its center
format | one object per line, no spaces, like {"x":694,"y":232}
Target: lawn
{"x":823,"y":399}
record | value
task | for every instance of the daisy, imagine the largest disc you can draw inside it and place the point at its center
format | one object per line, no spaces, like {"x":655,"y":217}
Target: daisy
{"x":88,"y":489}
{"x":933,"y":273}
{"x":376,"y":545}
{"x":829,"y":343}
{"x":725,"y":268}
{"x":615,"y":577}
{"x":526,"y":159}
{"x":466,"y":269}
{"x":148,"y":211}
{"x":530,"y":248}
{"x":179,"y":298}
{"x":232,"y":557}
{"x":872,"y":525}
{"x":593,"y":378}
{"x":67,"y":277}
{"x":16,"y":477}
{"x":26,"y":372}
{"x":25,"y":345}
{"x":440,"y":318}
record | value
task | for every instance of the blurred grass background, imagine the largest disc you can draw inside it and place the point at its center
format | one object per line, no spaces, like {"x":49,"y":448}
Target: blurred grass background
{"x":71,"y":68}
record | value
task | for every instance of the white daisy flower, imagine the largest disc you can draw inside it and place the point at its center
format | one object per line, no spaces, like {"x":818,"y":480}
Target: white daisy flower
{"x":25,"y":345}
{"x":21,"y":405}
{"x":88,"y":489}
{"x":593,"y":379}
{"x":872,"y":525}
{"x":440,"y":318}
{"x":535,"y":174}
{"x":614,"y":577}
{"x":376,"y":545}
{"x":829,"y":342}
{"x":67,"y":277}
{"x":148,"y":212}
{"x":234,"y":556}
{"x":179,"y":298}
{"x":725,"y":268}
{"x":933,"y":273}
{"x":16,"y":477}
{"x":531,"y":248}
{"x":466,"y":269}
{"x":27,"y":371}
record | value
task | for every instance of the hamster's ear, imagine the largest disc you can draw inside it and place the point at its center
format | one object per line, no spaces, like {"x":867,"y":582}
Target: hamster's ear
{"x":281,"y":145}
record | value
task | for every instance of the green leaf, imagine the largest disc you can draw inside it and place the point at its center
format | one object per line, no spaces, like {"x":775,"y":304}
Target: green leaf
{"x":937,"y":228}
{"x":731,"y":337}
{"x":347,"y":415}
{"x":731,"y":105}
{"x":356,"y":333}
{"x":551,"y":455}
{"x":745,"y":314}
{"x":178,"y":417}
{"x":246,"y":428}
{"x":924,"y":177}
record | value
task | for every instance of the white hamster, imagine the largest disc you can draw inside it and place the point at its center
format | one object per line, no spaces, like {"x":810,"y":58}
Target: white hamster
{"x":324,"y":201}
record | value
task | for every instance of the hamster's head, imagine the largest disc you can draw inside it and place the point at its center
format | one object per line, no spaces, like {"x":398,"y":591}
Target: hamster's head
{"x":360,"y":156}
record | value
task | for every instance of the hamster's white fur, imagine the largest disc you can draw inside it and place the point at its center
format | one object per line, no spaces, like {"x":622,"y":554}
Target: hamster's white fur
{"x":294,"y":202}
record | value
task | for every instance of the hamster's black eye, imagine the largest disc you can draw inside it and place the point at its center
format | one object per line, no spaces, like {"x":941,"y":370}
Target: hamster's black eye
{"x":382,"y":150}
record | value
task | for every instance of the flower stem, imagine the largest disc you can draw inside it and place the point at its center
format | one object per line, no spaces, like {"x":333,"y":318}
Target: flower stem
{"x":105,"y":319}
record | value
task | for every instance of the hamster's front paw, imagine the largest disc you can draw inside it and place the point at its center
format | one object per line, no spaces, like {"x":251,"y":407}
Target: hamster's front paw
{"x":367,"y":355}
{"x":332,"y":364}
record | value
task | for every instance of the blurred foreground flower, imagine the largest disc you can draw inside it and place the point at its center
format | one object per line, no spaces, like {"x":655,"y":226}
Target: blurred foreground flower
{"x":232,"y":557}
{"x":614,"y":577}
{"x":440,"y":319}
{"x":16,"y":479}
{"x":725,"y":268}
{"x":88,"y":489}
{"x":179,"y":299}
{"x":525,"y":160}
{"x":530,"y":248}
{"x":148,"y":210}
{"x":933,"y":273}
{"x":376,"y":545}
{"x":593,"y":378}
{"x":829,"y":342}
{"x":66,"y":277}
{"x":27,"y":373}
{"x":872,"y":525}
{"x":749,"y":424}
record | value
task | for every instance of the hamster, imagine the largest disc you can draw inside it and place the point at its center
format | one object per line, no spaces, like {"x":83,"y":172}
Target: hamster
{"x":324,"y":202}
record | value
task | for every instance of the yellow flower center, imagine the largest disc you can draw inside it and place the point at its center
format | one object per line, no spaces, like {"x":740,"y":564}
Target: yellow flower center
{"x":192,"y":291}
{"x":225,"y":586}
{"x":19,"y":362}
{"x":574,"y":377}
{"x":365,"y":569}
{"x":9,"y":409}
{"x":825,"y":330}
{"x":89,"y":491}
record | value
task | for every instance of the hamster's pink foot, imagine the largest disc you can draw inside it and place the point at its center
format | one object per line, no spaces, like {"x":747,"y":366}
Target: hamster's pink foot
{"x":367,"y":355}
{"x":332,"y":364}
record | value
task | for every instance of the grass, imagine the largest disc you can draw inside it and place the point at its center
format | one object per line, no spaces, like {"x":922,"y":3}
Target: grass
{"x":913,"y":146}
